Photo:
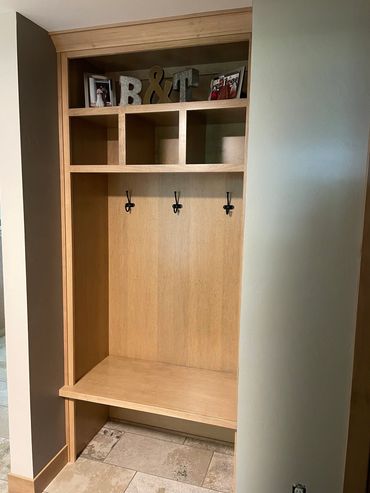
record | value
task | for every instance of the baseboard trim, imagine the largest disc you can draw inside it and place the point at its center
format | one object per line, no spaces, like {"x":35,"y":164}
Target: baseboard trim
{"x":19,"y":484}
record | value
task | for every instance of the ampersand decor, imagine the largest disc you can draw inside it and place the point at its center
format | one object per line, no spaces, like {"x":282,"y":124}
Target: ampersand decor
{"x":184,"y":81}
{"x":130,"y":89}
{"x":155,"y":79}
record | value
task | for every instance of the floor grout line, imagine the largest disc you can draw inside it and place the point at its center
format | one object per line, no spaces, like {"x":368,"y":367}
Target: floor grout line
{"x":109,"y":464}
{"x":208,"y":468}
{"x":120,"y":438}
{"x":133,"y":477}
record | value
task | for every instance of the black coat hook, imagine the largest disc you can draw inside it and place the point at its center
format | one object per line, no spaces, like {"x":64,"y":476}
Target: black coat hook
{"x":129,"y":205}
{"x":228,"y":207}
{"x":176,"y":206}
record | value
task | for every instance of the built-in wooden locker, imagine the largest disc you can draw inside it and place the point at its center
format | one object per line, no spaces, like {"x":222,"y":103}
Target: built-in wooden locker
{"x":151,"y":296}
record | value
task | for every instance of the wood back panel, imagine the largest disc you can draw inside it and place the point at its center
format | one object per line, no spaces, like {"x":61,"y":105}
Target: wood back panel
{"x":90,"y":271}
{"x":93,"y":143}
{"x":152,"y":138}
{"x":174,"y":280}
{"x":89,"y":419}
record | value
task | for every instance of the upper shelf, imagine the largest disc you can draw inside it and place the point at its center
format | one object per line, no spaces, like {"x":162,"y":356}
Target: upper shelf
{"x":155,"y":108}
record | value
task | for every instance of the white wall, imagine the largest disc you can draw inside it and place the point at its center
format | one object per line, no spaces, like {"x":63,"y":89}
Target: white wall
{"x":309,"y":123}
{"x":14,"y":260}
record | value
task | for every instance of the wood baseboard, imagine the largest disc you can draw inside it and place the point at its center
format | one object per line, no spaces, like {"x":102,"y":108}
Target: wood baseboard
{"x":19,"y":484}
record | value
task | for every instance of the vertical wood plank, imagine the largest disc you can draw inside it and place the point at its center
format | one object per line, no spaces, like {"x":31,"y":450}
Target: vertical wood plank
{"x":122,"y":138}
{"x":182,"y":136}
{"x":65,"y":153}
{"x":90,"y":268}
{"x":112,"y":146}
{"x":66,"y":248}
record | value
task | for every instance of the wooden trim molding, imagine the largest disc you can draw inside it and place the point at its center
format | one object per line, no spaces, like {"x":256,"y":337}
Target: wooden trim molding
{"x":357,"y":473}
{"x":19,"y":484}
{"x":222,"y":26}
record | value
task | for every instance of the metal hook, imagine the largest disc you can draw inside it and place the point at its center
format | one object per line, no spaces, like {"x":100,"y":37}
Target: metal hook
{"x":129,"y":205}
{"x":228,"y":207}
{"x":176,"y":206}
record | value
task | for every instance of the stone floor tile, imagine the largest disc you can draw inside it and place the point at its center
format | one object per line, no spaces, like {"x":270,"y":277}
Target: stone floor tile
{"x":221,"y":447}
{"x":3,"y":394}
{"x":144,"y":483}
{"x":161,"y":458}
{"x":220,"y":476}
{"x":4,"y":459}
{"x":3,"y":371}
{"x":4,"y":422}
{"x":149,"y":432}
{"x":87,"y":476}
{"x":102,"y":444}
{"x":2,"y":349}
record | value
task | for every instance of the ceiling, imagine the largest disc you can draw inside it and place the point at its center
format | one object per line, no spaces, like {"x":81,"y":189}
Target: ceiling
{"x":55,"y":15}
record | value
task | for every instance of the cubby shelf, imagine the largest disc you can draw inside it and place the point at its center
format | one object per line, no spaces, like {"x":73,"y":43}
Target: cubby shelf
{"x":158,"y":168}
{"x":191,"y":137}
{"x":193,"y":394}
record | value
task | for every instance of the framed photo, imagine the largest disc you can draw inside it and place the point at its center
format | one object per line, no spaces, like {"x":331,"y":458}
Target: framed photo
{"x":99,"y":91}
{"x":227,"y":86}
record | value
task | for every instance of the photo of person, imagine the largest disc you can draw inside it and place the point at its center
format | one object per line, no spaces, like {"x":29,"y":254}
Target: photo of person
{"x":216,"y":86}
{"x":103,"y":94}
{"x":227,"y":86}
{"x":232,"y":84}
{"x":99,"y":91}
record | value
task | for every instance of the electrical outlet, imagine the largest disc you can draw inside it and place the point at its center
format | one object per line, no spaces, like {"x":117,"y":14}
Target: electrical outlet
{"x":299,"y":488}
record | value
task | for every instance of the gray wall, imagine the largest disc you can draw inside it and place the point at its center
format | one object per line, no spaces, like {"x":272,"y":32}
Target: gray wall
{"x":37,"y":80}
{"x":309,"y":124}
{"x":13,"y":250}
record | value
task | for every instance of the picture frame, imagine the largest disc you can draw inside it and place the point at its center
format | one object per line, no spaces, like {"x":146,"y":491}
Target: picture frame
{"x":227,"y":86}
{"x":99,"y":91}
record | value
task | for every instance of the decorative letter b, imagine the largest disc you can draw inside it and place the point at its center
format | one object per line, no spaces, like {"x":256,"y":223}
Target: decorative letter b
{"x":130,"y":89}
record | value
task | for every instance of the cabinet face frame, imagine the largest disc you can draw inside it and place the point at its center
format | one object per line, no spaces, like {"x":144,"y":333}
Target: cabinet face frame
{"x":179,"y":32}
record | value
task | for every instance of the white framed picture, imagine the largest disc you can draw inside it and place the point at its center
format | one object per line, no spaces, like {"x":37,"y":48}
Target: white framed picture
{"x":99,"y":91}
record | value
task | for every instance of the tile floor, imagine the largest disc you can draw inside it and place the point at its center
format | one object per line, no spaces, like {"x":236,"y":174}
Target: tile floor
{"x":123,"y":458}
{"x":4,"y":427}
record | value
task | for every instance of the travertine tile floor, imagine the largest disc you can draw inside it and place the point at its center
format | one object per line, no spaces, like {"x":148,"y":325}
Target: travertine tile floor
{"x":123,"y":458}
{"x":4,"y":427}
